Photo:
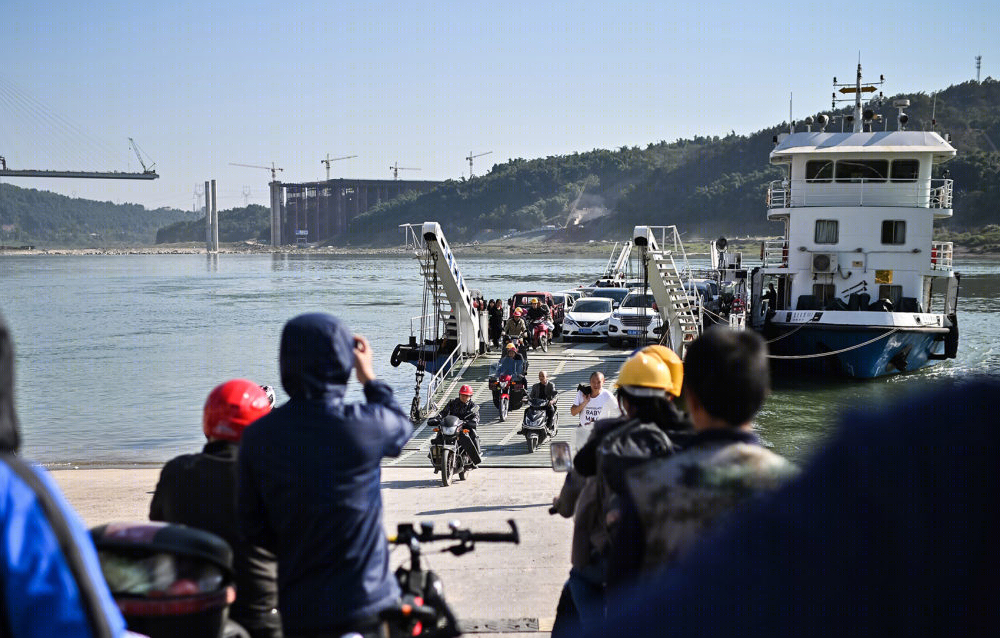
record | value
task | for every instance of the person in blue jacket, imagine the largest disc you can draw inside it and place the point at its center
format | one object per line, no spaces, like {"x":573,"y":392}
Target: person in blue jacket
{"x":891,"y":530}
{"x":50,"y":579}
{"x":309,"y":481}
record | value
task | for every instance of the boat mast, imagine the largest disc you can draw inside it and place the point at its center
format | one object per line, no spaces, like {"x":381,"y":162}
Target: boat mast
{"x":857,"y":100}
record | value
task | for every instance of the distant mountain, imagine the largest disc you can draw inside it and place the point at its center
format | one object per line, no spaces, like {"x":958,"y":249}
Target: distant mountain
{"x":704,"y":185}
{"x":235,"y":224}
{"x":30,"y":216}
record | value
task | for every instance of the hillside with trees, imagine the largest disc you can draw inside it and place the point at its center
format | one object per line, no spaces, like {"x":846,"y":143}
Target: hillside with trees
{"x":705,"y":185}
{"x":29,"y":216}
{"x":235,"y":224}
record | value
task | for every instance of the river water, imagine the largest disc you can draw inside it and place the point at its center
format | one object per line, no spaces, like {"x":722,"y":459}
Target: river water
{"x":115,"y":354}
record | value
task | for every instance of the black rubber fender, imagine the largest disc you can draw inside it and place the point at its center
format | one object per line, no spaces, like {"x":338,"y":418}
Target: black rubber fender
{"x":951,"y":339}
{"x":396,"y":359}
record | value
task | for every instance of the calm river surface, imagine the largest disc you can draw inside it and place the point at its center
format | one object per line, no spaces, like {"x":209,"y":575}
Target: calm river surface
{"x":115,"y":354}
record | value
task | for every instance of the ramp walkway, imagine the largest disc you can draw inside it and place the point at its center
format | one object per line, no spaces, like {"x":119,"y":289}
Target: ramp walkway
{"x":568,"y":365}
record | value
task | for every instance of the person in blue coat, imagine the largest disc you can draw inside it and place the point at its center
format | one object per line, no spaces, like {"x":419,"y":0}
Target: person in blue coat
{"x":309,"y":481}
{"x":50,"y":579}
{"x":891,"y":530}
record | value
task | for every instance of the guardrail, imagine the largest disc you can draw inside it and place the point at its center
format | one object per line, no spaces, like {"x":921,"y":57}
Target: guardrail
{"x":942,"y":253}
{"x":775,"y":253}
{"x":935,"y":193}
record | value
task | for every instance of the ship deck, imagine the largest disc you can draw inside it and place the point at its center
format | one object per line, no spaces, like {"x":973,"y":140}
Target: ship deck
{"x":568,"y":365}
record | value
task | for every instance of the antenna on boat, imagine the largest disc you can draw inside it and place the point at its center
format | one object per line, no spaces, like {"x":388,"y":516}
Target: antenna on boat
{"x":791,"y":122}
{"x":855,"y":90}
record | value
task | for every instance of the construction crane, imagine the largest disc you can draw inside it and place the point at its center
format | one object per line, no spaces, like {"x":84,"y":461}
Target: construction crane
{"x":395,"y":168}
{"x":148,"y":172}
{"x":333,"y":159}
{"x":472,"y":157}
{"x":274,"y":170}
{"x":138,"y":155}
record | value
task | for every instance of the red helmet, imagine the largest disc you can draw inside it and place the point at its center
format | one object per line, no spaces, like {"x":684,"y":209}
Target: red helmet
{"x":518,"y":312}
{"x":231,"y":407}
{"x":465,"y":389}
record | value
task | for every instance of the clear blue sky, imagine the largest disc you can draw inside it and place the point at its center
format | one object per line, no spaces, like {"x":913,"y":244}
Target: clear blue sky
{"x":202,"y":84}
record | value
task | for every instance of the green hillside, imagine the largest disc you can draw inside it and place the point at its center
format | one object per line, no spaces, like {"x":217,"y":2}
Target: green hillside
{"x":705,"y":185}
{"x":29,"y":216}
{"x":235,"y":224}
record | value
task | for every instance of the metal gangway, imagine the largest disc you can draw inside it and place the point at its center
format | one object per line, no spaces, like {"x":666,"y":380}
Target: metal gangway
{"x":660,"y":248}
{"x":617,"y":266}
{"x":449,"y":310}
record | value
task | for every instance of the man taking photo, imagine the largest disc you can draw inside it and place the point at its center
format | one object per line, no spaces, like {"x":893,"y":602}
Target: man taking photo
{"x":309,"y":480}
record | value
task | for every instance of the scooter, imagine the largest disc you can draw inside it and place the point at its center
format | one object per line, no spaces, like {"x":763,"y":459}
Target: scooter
{"x":541,"y":334}
{"x":452,"y":450}
{"x":508,"y":391}
{"x":534,"y":426}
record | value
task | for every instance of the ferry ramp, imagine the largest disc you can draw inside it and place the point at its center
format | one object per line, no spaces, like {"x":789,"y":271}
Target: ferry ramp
{"x":568,"y":365}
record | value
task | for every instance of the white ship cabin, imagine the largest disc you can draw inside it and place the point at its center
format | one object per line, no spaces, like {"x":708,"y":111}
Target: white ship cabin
{"x":858,"y":210}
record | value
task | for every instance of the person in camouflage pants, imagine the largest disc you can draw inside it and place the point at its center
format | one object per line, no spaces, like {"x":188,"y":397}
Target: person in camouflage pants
{"x":677,"y":498}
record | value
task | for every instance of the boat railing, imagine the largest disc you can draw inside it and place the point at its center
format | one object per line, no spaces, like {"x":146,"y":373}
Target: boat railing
{"x":414,"y":239}
{"x":935,"y":193}
{"x":942,"y":253}
{"x":419,"y":319}
{"x":447,"y":368}
{"x":775,"y":253}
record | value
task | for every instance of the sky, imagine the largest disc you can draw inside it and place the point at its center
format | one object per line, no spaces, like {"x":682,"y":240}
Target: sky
{"x":201,"y":85}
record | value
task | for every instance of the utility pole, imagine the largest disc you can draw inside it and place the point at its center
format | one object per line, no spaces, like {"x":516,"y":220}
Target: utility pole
{"x":395,"y":168}
{"x":472,"y":157}
{"x":333,"y":159}
{"x":979,"y":64}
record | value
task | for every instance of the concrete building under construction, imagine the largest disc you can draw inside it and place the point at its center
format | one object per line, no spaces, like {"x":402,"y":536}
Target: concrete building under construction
{"x":310,"y":212}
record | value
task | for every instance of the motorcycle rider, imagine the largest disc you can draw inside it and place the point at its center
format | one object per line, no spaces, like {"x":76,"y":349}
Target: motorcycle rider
{"x":516,"y":329}
{"x":309,"y":482}
{"x":545,"y":389}
{"x":511,"y":352}
{"x":212,"y":475}
{"x":538,"y":311}
{"x":467,"y":411}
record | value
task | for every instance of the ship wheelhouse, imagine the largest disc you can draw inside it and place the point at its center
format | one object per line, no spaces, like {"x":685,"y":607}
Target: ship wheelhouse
{"x":859,"y":210}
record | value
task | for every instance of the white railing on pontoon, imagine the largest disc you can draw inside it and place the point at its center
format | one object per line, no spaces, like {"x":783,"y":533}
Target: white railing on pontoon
{"x":860,"y":192}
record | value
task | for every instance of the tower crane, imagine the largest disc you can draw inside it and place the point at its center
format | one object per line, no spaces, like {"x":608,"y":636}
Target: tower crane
{"x":395,"y":168}
{"x":332,"y":159}
{"x":472,"y":157}
{"x":274,"y":170}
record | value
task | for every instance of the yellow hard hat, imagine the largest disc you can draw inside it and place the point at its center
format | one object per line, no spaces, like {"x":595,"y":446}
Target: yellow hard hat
{"x":649,"y":372}
{"x":674,"y":364}
{"x":534,"y":300}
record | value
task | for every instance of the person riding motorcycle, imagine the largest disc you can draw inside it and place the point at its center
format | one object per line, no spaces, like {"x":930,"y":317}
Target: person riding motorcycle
{"x":467,"y":411}
{"x":511,"y":352}
{"x":516,"y":327}
{"x":545,"y":389}
{"x":212,"y":475}
{"x":538,"y":311}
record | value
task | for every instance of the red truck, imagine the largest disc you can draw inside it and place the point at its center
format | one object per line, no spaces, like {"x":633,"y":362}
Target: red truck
{"x":556,"y":310}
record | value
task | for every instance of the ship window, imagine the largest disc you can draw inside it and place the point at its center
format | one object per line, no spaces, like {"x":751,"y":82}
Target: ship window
{"x":905,"y":170}
{"x":824,"y":293}
{"x":862,"y":170}
{"x":892,"y":293}
{"x":819,"y":171}
{"x":827,"y":231}
{"x":893,"y":232}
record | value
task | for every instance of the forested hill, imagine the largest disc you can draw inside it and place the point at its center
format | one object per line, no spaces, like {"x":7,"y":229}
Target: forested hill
{"x":705,"y":185}
{"x":29,"y":216}
{"x":235,"y":224}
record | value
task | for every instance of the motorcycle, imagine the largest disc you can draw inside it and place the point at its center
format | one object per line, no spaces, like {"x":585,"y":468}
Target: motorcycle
{"x":541,"y":334}
{"x":423,"y":610}
{"x":452,"y":450}
{"x":534,"y":426}
{"x":508,"y":386}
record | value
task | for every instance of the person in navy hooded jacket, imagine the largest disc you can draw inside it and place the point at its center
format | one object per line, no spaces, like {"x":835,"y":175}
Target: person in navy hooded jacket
{"x":309,"y":481}
{"x":50,"y":580}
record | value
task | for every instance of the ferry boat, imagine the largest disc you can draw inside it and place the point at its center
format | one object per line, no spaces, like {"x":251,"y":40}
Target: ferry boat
{"x":857,"y":286}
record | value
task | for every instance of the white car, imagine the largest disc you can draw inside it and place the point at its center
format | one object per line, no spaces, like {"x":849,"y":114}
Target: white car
{"x":588,"y":318}
{"x":635,"y":318}
{"x":572,"y":295}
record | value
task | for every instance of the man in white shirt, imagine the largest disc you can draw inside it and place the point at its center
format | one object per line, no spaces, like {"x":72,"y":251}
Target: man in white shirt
{"x":589,"y":407}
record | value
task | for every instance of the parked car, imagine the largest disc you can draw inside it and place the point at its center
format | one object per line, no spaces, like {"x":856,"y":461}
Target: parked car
{"x":588,"y":318}
{"x":556,"y":309}
{"x":563,"y":299}
{"x":637,"y":318}
{"x":616,"y":295}
{"x":573,"y":295}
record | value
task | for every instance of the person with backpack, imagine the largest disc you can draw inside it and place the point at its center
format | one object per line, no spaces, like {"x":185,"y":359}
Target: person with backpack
{"x":647,"y":384}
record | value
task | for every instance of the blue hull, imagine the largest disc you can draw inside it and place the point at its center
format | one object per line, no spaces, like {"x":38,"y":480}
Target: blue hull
{"x":902,"y":351}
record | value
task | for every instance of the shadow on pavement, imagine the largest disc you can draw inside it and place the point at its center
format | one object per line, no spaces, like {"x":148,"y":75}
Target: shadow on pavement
{"x":482,"y":508}
{"x":402,"y":485}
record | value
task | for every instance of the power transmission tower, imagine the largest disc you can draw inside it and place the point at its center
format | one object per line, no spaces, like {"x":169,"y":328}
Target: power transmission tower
{"x":197,"y":198}
{"x":979,"y":64}
{"x":246,"y":196}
